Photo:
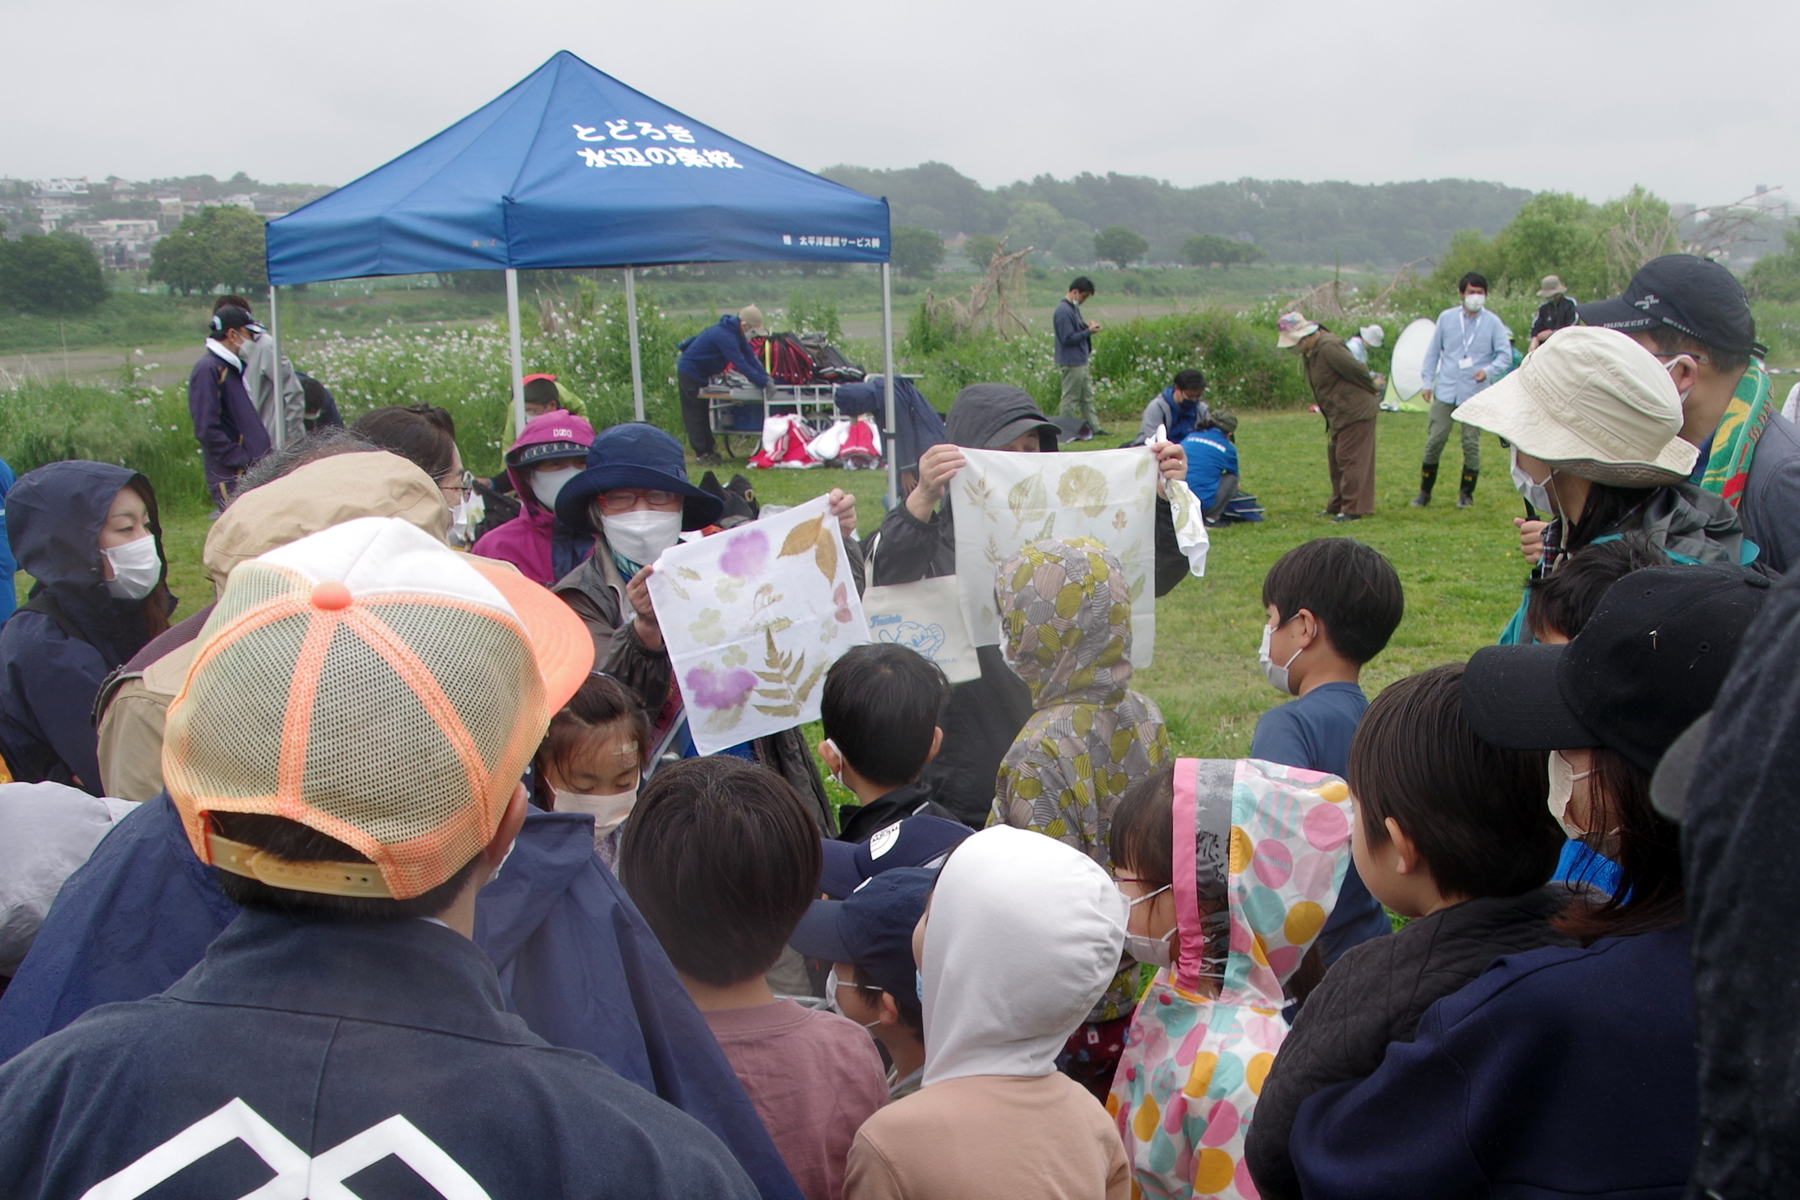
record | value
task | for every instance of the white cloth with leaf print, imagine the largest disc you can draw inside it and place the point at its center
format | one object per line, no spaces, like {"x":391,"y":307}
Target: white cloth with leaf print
{"x":1005,"y":501}
{"x":753,"y":617}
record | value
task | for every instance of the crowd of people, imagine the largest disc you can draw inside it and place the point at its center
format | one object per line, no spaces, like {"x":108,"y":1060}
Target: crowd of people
{"x":396,"y":859}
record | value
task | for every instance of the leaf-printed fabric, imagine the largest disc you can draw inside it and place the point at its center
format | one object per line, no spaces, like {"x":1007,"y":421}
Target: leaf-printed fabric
{"x":1004,"y":500}
{"x":753,"y":617}
{"x":1260,"y":851}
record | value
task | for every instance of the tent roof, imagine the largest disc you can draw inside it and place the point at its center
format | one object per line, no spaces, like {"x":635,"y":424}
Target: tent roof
{"x":571,"y":168}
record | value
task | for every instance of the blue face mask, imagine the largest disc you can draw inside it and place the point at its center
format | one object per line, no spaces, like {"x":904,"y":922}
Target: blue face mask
{"x":920,"y":977}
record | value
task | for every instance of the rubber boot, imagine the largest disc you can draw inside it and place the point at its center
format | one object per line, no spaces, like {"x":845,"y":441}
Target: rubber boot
{"x":1465,"y":497}
{"x":1427,"y":481}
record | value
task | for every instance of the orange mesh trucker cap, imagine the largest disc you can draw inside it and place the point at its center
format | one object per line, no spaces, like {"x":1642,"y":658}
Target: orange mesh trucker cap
{"x":372,"y":684}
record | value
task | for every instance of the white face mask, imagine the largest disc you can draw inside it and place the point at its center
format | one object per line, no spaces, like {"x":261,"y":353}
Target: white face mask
{"x":1562,"y":790}
{"x":609,"y":812}
{"x":547,"y":485}
{"x":1536,"y":494}
{"x":464,"y":518}
{"x":640,"y":536}
{"x":1475,"y":301}
{"x":832,"y":984}
{"x":1276,"y":675}
{"x":1154,"y":951}
{"x":837,"y":776}
{"x":136,"y":568}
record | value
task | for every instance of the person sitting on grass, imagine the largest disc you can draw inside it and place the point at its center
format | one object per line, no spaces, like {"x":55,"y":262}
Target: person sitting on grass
{"x":880,"y":714}
{"x":722,"y":857}
{"x":1332,"y":605}
{"x":1212,"y":476}
{"x":867,"y":936}
{"x":1451,"y":833}
{"x":1179,"y":410}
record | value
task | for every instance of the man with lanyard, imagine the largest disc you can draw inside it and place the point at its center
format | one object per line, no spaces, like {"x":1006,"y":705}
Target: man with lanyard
{"x":1469,"y":349}
{"x":1693,"y":315}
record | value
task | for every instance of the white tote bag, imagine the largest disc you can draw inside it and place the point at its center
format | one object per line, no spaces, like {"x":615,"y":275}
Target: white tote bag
{"x":926,"y":616}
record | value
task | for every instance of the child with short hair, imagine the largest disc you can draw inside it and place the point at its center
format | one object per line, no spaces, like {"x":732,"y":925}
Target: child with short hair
{"x":722,"y":858}
{"x":1332,"y":605}
{"x":1230,"y":868}
{"x":1019,"y":939}
{"x":1559,"y":603}
{"x":880,"y":712}
{"x":868,"y":937}
{"x":1451,"y":832}
{"x":592,"y":759}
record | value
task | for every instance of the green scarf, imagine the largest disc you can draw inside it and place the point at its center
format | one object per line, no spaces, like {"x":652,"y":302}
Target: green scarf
{"x":1734,"y":442}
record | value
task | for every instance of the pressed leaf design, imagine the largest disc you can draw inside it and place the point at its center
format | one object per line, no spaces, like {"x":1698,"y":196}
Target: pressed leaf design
{"x":1083,"y":487}
{"x":1028,"y":500}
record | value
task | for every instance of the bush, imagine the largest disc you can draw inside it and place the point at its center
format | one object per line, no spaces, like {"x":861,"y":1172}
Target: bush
{"x":1204,"y":249}
{"x":916,"y":252}
{"x":56,"y":274}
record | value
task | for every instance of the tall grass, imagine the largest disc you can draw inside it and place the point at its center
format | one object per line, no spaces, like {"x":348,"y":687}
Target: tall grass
{"x":144,"y":428}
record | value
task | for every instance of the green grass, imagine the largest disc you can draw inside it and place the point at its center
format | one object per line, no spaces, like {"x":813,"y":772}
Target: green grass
{"x":1461,"y":569}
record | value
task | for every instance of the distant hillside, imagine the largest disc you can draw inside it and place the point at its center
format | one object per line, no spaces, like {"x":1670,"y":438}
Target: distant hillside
{"x":1384,"y":224}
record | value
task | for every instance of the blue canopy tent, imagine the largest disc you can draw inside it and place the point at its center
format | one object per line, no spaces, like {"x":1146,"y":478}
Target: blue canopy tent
{"x":570,"y":169}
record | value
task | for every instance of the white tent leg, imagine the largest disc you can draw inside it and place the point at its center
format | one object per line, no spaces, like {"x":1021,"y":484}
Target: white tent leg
{"x":280,"y":438}
{"x":518,"y":356}
{"x":887,"y":382}
{"x":637,"y":367}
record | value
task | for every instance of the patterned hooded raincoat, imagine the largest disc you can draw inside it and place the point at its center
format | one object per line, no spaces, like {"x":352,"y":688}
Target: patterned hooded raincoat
{"x":1261,"y":849}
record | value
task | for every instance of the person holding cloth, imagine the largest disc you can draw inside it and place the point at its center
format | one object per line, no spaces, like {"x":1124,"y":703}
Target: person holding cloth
{"x":1469,"y":349}
{"x":706,"y":354}
{"x":1074,"y":343}
{"x":1349,"y":401}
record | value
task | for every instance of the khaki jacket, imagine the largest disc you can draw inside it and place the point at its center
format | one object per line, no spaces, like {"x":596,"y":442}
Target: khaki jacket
{"x":134,"y":701}
{"x":1342,"y":387}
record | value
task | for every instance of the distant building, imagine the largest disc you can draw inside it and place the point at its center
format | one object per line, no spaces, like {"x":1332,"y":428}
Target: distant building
{"x":63,"y":187}
{"x":55,"y":210}
{"x":124,"y":245}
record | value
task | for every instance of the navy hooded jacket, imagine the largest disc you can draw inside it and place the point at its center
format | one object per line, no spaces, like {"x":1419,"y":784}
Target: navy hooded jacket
{"x":1559,"y":1072}
{"x":344,"y":1058}
{"x":8,"y":566}
{"x":574,"y":958}
{"x":719,"y":346}
{"x":48,"y":679}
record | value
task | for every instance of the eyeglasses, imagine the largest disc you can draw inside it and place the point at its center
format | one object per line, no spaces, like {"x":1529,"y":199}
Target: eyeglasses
{"x":624,"y":500}
{"x":464,"y":484}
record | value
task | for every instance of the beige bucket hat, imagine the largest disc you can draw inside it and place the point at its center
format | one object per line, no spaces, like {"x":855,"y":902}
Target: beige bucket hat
{"x":1591,"y":403}
{"x":1552,"y":286}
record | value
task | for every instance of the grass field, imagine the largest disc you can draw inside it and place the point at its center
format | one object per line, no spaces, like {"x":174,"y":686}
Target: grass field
{"x":1461,"y":569}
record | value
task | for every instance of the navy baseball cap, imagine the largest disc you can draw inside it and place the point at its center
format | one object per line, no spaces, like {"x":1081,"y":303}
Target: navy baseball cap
{"x":872,"y":927}
{"x":920,"y":841}
{"x":1693,"y":295}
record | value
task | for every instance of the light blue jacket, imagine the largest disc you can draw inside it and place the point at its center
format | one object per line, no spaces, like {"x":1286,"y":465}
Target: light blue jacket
{"x":1483,"y":342}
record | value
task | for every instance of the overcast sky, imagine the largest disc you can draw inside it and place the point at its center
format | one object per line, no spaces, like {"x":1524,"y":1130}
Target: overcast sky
{"x":1588,"y":96}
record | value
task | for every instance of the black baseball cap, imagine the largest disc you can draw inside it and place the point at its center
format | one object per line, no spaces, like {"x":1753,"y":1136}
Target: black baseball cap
{"x":230,"y":316}
{"x":1647,"y":664}
{"x":872,"y":927}
{"x":921,"y":841}
{"x":1694,"y":295}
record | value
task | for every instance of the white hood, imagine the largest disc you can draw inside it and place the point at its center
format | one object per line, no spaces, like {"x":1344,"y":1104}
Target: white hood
{"x":1023,"y":937}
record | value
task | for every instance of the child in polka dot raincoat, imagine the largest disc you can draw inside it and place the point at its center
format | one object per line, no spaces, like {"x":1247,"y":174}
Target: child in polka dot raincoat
{"x":1259,"y":851}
